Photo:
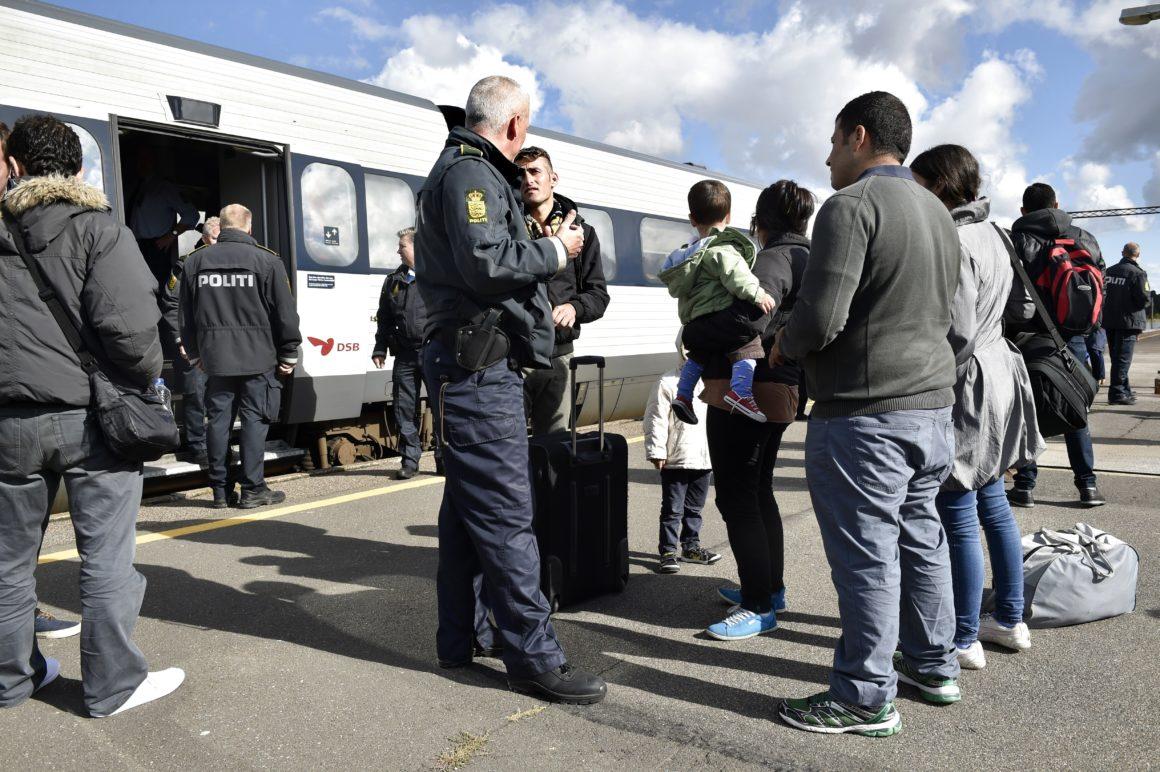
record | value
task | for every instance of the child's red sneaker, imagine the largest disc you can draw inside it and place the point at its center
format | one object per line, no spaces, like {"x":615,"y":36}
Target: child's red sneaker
{"x":683,"y":407}
{"x":747,"y":406}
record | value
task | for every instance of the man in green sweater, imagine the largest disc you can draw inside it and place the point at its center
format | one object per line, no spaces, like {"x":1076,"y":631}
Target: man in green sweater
{"x":870,"y":330}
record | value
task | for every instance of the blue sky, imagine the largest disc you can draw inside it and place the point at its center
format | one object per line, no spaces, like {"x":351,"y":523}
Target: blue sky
{"x":1061,"y":93}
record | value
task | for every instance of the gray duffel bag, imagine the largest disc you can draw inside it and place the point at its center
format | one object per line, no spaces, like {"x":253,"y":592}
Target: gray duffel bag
{"x":1077,"y":575}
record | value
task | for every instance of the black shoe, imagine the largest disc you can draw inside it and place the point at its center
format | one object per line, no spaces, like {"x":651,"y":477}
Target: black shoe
{"x":565,"y":684}
{"x":223,"y":499}
{"x":1125,"y":401}
{"x":669,"y":563}
{"x":254,"y":499}
{"x":1091,"y":497}
{"x":406,"y":473}
{"x":195,"y":456}
{"x":1019,"y":497}
{"x":439,"y":470}
{"x":495,"y":651}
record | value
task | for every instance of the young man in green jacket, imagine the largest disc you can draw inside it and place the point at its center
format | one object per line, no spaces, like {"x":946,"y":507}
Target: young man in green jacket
{"x":719,"y":301}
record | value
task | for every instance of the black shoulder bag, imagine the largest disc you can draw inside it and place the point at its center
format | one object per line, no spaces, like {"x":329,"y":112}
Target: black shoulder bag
{"x":1063,"y":387}
{"x":137,"y":424}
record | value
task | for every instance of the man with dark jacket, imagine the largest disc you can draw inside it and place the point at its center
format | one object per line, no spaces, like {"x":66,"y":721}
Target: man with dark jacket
{"x":239,"y":322}
{"x":577,"y":295}
{"x":402,"y":318}
{"x":869,"y":328}
{"x":192,"y":379}
{"x":1126,"y":286}
{"x":1041,"y":224}
{"x":487,"y":315}
{"x":48,"y":433}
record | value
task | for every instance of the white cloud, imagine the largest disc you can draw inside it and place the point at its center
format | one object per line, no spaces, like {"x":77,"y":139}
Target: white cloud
{"x":363,"y":27}
{"x":1090,"y":183}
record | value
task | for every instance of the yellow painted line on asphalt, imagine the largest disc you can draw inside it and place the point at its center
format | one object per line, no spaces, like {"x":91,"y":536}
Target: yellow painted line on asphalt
{"x":229,"y":522}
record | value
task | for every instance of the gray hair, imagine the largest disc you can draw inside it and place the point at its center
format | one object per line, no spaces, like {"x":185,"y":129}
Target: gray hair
{"x":236,"y":216}
{"x":211,"y":223}
{"x":493,"y":101}
{"x":406,"y":233}
{"x":1131,"y":249}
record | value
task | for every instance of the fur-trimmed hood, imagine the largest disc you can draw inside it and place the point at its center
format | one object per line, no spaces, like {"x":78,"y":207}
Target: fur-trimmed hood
{"x":53,"y":189}
{"x":44,"y":207}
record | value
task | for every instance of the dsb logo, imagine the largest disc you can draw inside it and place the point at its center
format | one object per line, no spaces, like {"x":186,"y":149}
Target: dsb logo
{"x":328,"y":345}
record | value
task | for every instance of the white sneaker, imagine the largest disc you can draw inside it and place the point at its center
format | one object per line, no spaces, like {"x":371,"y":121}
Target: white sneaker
{"x":51,"y":671}
{"x":972,"y":657}
{"x":1017,"y":638}
{"x":154,"y":687}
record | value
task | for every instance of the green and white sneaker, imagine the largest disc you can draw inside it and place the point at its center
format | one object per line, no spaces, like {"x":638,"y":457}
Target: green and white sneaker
{"x":822,"y":713}
{"x":936,"y":689}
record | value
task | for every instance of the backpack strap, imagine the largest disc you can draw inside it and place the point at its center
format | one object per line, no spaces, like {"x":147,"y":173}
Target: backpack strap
{"x":1021,"y":272}
{"x":47,"y":294}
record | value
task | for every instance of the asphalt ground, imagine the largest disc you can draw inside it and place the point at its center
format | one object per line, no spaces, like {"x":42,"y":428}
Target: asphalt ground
{"x":307,"y":633}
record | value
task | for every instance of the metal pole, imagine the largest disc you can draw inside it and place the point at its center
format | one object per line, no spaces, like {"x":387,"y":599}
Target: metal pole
{"x":1141,"y":14}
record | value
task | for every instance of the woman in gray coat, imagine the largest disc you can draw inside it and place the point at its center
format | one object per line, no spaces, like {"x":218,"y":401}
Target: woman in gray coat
{"x":994,"y":414}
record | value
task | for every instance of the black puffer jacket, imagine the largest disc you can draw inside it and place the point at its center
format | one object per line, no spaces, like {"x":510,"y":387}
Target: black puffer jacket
{"x":95,"y":267}
{"x":1126,"y":285}
{"x":582,"y":284}
{"x":402,"y":316}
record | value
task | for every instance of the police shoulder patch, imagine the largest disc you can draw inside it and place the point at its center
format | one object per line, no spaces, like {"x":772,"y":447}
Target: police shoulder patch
{"x":476,"y":206}
{"x":172,"y":281}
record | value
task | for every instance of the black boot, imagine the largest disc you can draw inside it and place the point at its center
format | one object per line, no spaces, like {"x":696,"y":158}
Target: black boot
{"x":254,"y":499}
{"x":565,"y":684}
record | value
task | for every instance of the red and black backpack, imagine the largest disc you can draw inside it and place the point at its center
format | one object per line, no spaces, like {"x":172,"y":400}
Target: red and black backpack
{"x":1071,"y":284}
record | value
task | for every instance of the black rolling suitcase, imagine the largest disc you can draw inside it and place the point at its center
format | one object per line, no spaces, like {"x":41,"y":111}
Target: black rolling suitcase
{"x":580,"y":485}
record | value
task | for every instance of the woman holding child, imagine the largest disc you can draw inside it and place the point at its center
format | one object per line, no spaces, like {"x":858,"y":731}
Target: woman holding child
{"x":742,"y":450}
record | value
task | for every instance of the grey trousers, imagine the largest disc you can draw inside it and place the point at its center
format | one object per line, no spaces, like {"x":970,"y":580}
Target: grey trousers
{"x":872,"y":481}
{"x":546,"y":397}
{"x":40,"y":447}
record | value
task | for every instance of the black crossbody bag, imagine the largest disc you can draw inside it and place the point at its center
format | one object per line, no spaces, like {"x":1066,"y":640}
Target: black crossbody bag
{"x":137,"y":424}
{"x":1063,"y":387}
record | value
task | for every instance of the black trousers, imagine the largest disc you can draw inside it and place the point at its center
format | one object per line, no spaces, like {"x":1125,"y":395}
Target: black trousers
{"x":743,"y":453}
{"x":255,"y":400}
{"x":1123,"y":345}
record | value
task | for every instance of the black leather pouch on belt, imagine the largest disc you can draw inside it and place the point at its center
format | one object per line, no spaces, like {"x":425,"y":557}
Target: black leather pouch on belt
{"x":479,"y":346}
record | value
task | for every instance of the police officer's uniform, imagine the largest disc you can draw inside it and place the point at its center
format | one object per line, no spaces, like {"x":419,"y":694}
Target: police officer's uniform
{"x":192,"y":379}
{"x":474,"y":255}
{"x":1126,"y":291}
{"x":239,"y":322}
{"x":402,"y":320}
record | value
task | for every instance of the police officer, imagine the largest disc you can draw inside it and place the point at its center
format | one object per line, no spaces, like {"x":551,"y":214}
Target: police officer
{"x":578,"y":295}
{"x":401,"y":321}
{"x":1126,"y":287}
{"x":192,"y":378}
{"x":487,"y":314}
{"x":239,"y":322}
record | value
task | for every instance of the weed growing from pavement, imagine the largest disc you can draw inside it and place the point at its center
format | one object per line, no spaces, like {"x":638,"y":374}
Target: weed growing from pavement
{"x":520,"y":715}
{"x":464,"y":747}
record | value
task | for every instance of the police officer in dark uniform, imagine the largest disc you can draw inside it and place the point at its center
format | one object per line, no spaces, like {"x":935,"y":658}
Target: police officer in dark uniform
{"x":487,"y":314}
{"x":192,"y":379}
{"x":1126,"y":299}
{"x":402,"y":320}
{"x":239,"y":323}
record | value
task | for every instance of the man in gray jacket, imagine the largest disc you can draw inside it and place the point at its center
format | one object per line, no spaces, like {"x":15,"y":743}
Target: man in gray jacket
{"x":870,"y":330}
{"x":48,"y":434}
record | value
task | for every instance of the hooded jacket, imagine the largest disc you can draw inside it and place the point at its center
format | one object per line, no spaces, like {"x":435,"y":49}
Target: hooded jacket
{"x":96,"y":269}
{"x":473,"y":252}
{"x":584,"y":286}
{"x":1031,"y":233}
{"x":708,"y":275}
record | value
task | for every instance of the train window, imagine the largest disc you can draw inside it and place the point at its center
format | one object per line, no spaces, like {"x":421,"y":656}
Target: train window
{"x":390,"y":208}
{"x":658,"y":238}
{"x":329,"y":215}
{"x":91,"y":158}
{"x":602,"y":224}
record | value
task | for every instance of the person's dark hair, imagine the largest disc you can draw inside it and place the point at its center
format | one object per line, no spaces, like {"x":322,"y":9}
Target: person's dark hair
{"x":44,"y":145}
{"x":1039,"y":195}
{"x":884,"y":117}
{"x":4,"y":134}
{"x":784,"y":207}
{"x":532,"y":153}
{"x":709,"y":202}
{"x":951,"y":172}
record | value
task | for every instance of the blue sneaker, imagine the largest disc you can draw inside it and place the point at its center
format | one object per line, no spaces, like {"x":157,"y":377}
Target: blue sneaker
{"x":742,"y":624}
{"x":48,"y":626}
{"x":732,"y":596}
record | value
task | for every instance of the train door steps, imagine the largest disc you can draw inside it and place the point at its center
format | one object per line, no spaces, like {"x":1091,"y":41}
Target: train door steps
{"x":170,"y":466}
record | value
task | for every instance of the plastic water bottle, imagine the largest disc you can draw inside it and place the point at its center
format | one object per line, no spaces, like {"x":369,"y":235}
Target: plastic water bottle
{"x":162,"y":391}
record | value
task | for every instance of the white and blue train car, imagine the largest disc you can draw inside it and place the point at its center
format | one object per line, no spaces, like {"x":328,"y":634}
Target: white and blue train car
{"x":330,"y":168}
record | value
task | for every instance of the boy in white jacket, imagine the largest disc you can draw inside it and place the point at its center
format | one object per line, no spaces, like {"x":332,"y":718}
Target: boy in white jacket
{"x":681,"y":453}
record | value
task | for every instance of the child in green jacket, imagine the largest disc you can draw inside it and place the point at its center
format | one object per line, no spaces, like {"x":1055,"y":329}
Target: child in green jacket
{"x":719,"y":301}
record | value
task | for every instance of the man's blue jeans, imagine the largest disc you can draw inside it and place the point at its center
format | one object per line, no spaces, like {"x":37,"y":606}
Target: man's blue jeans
{"x":961,"y":513}
{"x":873,"y":481}
{"x":1080,"y":455}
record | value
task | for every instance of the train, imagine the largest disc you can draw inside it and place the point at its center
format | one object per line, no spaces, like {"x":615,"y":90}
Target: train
{"x":330,"y":168}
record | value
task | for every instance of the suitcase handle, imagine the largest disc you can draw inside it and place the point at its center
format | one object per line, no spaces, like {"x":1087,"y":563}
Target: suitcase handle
{"x":576,"y":362}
